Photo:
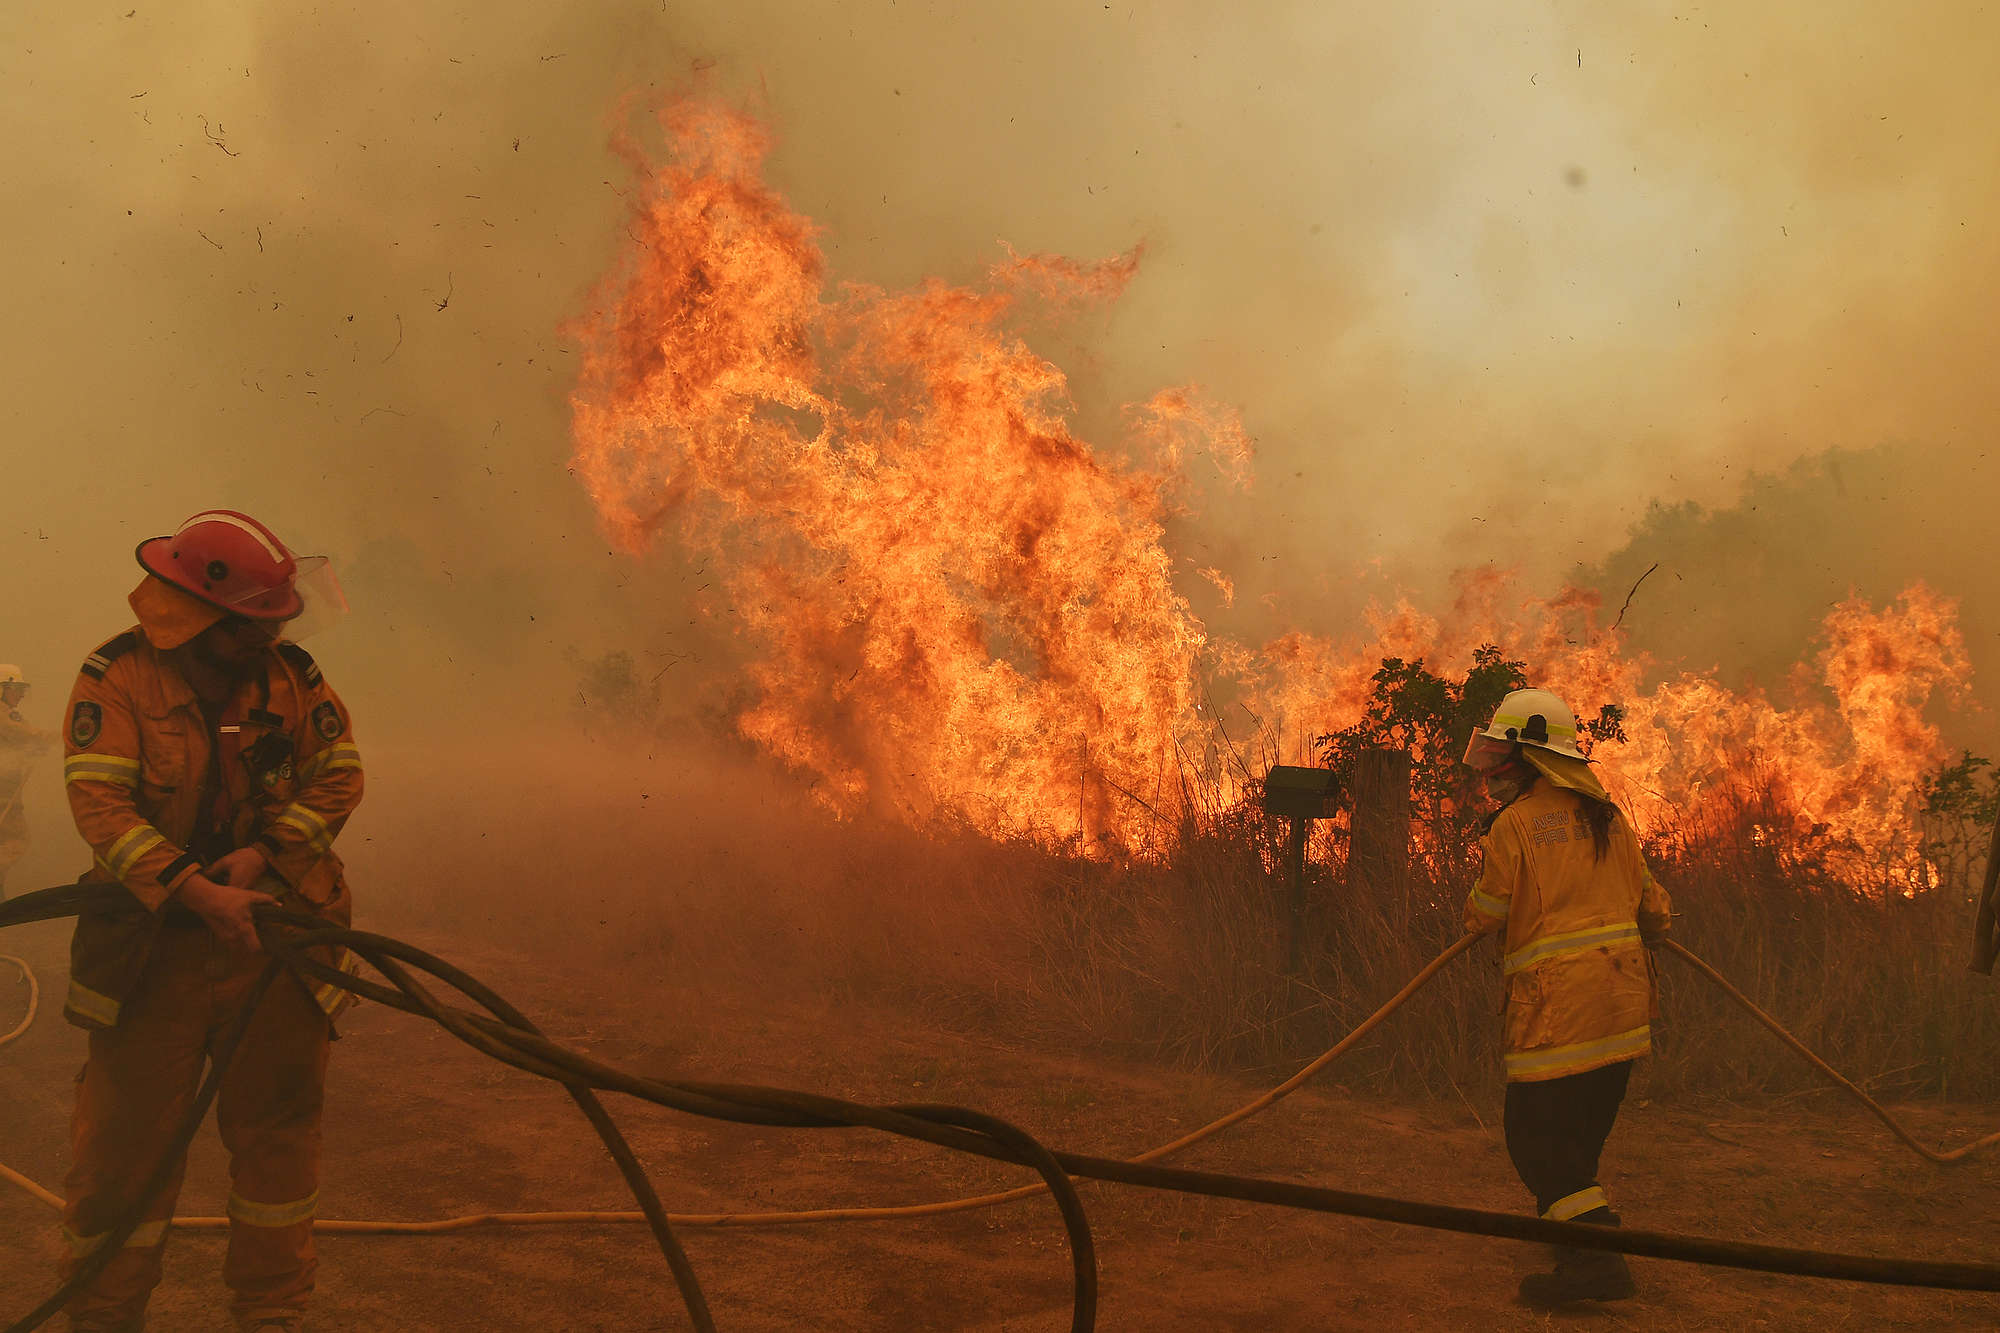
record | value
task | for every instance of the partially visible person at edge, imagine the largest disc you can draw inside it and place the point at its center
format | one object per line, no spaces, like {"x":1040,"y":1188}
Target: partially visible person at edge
{"x":20,"y":743}
{"x":209,"y":767}
{"x":1565,"y":886}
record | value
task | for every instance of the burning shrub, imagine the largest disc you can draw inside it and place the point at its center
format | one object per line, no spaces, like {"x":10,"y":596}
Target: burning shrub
{"x":1855,"y":945}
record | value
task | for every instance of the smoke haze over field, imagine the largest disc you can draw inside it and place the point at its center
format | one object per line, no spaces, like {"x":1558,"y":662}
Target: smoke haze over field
{"x":1485,"y":287}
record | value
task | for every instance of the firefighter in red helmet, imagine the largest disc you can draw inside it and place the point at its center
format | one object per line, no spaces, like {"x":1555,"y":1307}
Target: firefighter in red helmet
{"x":210,"y":767}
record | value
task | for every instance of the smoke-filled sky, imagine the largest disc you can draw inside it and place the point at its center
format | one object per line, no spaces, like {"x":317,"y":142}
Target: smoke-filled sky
{"x":1486,"y":285}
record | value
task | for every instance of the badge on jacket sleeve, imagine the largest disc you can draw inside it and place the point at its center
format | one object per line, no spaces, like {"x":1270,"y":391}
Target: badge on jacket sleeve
{"x":326,"y":721}
{"x":85,"y":723}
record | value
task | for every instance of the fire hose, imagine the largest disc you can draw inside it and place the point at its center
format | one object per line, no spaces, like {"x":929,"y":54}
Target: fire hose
{"x":1941,"y":1157}
{"x":506,"y":1035}
{"x":34,"y":999}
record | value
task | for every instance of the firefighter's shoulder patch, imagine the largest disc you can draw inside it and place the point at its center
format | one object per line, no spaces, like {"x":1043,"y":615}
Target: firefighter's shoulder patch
{"x":301,"y":661}
{"x":99,"y":662}
{"x":86,"y":723}
{"x":326,"y":721}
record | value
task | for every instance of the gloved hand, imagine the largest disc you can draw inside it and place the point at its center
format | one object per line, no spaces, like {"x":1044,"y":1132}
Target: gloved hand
{"x":241,"y":868}
{"x":226,"y":910}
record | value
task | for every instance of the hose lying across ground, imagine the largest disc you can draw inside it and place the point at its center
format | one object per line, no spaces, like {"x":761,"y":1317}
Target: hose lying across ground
{"x":505,"y":1034}
{"x":1943,"y":1158}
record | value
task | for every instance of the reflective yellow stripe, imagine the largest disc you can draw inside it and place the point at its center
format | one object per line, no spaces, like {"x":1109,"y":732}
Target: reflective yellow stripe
{"x":272,"y":1214}
{"x":143,"y":1237}
{"x":343,"y":755}
{"x":1572,"y":941}
{"x":1554,"y":1060}
{"x":101,"y":768}
{"x":331,"y":998}
{"x":122,"y":855}
{"x":101,"y":1009}
{"x":306,"y":819}
{"x":1577,"y":1204}
{"x":1488,"y":905}
{"x":314,"y":829}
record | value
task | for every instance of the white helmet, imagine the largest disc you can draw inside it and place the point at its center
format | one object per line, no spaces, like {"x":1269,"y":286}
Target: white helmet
{"x":12,"y":675}
{"x":1525,"y":717}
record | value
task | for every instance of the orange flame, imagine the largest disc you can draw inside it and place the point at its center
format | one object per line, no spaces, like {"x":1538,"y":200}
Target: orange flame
{"x":954,"y":605}
{"x":1847,"y":756}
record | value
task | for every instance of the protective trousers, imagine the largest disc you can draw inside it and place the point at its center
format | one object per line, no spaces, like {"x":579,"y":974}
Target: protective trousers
{"x":1556,"y":1130}
{"x":136,"y":1088}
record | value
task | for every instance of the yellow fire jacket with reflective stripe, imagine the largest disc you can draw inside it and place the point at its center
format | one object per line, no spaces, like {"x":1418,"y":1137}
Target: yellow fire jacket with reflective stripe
{"x":1580,"y":990}
{"x":137,"y":766}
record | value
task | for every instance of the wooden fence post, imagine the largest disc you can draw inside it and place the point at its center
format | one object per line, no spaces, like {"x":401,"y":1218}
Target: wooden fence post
{"x":1379,"y":852}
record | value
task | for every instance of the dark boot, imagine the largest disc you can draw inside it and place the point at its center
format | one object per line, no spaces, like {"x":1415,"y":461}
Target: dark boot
{"x":1581,"y":1275}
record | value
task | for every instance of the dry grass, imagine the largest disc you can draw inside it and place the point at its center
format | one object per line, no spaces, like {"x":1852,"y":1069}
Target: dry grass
{"x":696,"y":867}
{"x":1184,"y":962}
{"x":1861,"y":968}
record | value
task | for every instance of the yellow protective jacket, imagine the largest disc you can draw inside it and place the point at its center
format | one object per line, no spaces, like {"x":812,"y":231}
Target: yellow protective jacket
{"x":141,"y":768}
{"x":19,"y":744}
{"x":1580,"y":991}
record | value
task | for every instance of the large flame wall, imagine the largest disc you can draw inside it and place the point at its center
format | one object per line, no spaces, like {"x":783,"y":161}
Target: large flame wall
{"x":955,"y":605}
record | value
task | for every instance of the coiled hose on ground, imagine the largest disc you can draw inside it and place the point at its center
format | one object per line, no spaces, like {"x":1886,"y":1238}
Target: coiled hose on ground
{"x":503,"y":1033}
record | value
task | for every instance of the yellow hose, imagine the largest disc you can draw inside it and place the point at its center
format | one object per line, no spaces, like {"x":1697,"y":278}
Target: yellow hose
{"x":1895,"y":1126}
{"x":13,"y":1177}
{"x":34,"y":997}
{"x":333,"y":1226}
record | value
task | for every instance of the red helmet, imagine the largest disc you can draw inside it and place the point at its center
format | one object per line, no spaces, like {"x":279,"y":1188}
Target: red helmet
{"x":228,"y":560}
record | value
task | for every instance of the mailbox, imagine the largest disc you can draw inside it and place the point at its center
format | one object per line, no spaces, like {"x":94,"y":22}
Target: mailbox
{"x":1299,"y":793}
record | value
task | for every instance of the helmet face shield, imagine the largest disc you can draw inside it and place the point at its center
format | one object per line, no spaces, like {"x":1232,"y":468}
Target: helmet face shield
{"x":322,"y":603}
{"x":1484,"y":753}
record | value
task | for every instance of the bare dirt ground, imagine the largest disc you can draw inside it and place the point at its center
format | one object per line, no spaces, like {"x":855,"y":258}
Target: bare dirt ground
{"x":418,"y":1126}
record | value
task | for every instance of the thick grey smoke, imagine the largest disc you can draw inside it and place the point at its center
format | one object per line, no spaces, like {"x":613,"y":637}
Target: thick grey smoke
{"x":1485,"y":283}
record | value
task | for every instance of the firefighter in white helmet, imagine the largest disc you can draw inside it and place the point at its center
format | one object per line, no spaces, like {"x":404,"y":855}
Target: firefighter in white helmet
{"x":19,"y":744}
{"x":1566,"y":888}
